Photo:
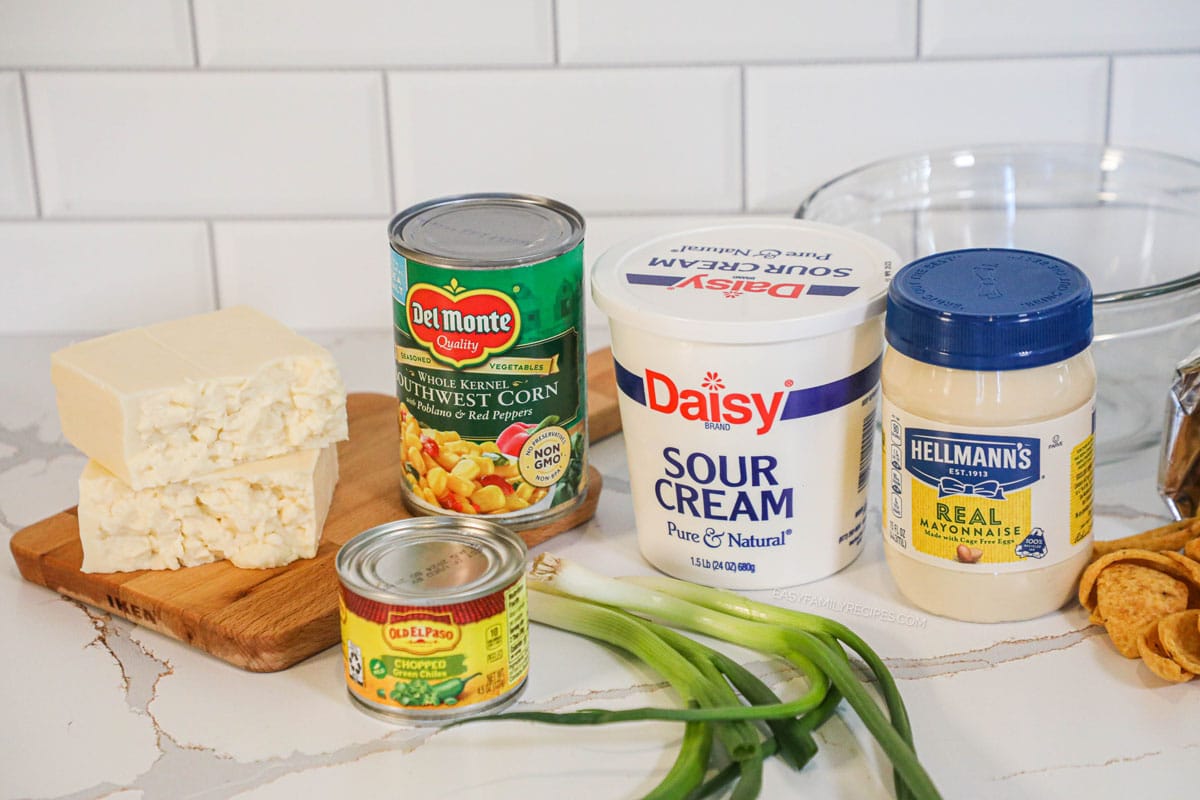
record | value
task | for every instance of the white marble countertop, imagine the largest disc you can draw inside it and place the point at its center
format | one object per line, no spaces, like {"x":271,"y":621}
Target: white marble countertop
{"x":95,"y":706}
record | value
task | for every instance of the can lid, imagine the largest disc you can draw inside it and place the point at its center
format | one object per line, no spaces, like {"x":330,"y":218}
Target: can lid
{"x":486,"y":230}
{"x":989,"y":309}
{"x":745,"y":283}
{"x":431,"y":560}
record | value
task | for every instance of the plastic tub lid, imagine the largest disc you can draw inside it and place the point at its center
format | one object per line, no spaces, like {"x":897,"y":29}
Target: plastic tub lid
{"x":745,"y":283}
{"x":990,"y":309}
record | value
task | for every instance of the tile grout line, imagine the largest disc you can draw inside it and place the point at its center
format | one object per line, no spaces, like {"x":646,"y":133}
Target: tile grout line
{"x":34,"y":179}
{"x":136,"y":219}
{"x":573,"y":66}
{"x":214,"y":274}
{"x":276,"y":219}
{"x":919,"y":20}
{"x":554,"y":33}
{"x":1108,"y":102}
{"x":195,"y":34}
{"x":744,"y":130}
{"x":388,"y":147}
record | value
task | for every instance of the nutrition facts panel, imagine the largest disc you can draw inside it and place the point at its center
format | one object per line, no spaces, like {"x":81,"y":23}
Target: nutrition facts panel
{"x":518,"y":632}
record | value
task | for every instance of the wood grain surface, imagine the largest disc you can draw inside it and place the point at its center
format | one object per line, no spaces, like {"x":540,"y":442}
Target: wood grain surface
{"x":267,"y":620}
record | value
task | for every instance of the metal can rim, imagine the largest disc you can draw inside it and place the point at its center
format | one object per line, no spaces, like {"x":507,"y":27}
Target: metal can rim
{"x":557,"y":206}
{"x":507,"y":549}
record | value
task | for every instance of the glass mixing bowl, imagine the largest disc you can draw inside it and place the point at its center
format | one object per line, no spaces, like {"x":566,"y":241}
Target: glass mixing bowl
{"x":1128,"y":218}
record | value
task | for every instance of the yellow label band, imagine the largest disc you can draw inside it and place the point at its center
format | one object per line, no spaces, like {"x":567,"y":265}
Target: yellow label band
{"x":1002,"y":499}
{"x":1082,"y":484}
{"x":421,"y":661}
{"x":502,"y":365}
{"x":989,"y":529}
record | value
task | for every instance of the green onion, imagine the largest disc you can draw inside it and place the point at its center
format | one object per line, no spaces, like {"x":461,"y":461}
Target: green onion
{"x":553,"y":574}
{"x":691,"y":765}
{"x":637,"y":636}
{"x":693,"y":682}
{"x":755,"y":628}
{"x":795,"y":743}
{"x":738,"y":606}
{"x":745,"y":608}
{"x":730,"y":773}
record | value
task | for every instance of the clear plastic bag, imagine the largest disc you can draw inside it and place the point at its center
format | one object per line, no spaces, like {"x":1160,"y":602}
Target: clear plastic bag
{"x":1179,"y":463}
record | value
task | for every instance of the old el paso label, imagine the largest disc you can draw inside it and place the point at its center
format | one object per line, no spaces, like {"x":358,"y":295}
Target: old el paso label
{"x":461,"y":326}
{"x":971,"y":464}
{"x":420,"y":633}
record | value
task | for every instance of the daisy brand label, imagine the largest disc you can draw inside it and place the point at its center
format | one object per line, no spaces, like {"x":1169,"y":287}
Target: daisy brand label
{"x":741,"y":455}
{"x":1001,"y":500}
{"x":747,"y":360}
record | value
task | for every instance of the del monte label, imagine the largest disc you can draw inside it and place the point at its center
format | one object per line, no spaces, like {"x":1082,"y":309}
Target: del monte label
{"x":461,"y":326}
{"x":487,"y":313}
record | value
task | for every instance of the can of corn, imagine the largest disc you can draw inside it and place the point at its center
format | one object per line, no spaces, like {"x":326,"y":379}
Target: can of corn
{"x":434,"y":619}
{"x":490,"y":357}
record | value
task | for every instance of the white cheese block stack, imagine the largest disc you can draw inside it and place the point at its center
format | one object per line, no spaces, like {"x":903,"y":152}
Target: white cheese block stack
{"x":210,"y":437}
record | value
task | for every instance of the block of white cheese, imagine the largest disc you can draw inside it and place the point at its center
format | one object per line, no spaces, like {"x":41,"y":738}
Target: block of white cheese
{"x":264,"y":514}
{"x":178,"y":399}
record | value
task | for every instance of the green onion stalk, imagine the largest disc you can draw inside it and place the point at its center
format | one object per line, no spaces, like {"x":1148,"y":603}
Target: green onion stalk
{"x":696,"y":682}
{"x":755,"y":628}
{"x":634,"y":635}
{"x":823,"y":627}
{"x":557,"y":575}
{"x":795,"y":741}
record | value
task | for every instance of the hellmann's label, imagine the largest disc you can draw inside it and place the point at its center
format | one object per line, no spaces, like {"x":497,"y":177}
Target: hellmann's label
{"x":977,"y":499}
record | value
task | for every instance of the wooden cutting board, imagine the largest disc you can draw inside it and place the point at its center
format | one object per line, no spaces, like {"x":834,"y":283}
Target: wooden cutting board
{"x":267,"y":620}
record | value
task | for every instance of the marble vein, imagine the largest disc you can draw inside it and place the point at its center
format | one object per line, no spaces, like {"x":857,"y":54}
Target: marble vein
{"x":1094,"y":765}
{"x":993,"y":655}
{"x":18,"y":445}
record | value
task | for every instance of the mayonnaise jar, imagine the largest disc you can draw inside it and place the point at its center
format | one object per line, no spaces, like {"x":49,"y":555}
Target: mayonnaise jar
{"x":747,"y":360}
{"x":988,"y":421}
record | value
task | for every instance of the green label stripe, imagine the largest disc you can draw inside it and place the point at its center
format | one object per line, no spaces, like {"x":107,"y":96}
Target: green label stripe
{"x":549,"y":294}
{"x":481,"y":405}
{"x":411,"y":668}
{"x":481,"y":401}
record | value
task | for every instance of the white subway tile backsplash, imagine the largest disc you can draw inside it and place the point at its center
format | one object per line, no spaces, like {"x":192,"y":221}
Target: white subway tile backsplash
{"x":196,"y":144}
{"x":91,"y":276}
{"x":716,"y":31}
{"x":806,"y":124}
{"x":1032,"y":27}
{"x":328,"y":275}
{"x":1156,"y":103}
{"x":374,"y":32}
{"x":281,"y":134}
{"x":310,"y":275}
{"x":69,"y":33}
{"x":603,"y":140}
{"x":16,"y":173}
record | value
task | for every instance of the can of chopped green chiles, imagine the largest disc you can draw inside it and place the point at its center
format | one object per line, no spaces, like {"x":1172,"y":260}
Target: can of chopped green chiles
{"x":490,"y":356}
{"x":434,"y":619}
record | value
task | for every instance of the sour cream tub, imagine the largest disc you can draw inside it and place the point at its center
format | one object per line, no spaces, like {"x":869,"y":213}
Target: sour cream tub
{"x":748,"y":360}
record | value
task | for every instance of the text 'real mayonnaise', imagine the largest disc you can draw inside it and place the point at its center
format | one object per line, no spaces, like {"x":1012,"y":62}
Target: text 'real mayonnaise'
{"x":747,"y":360}
{"x":988,"y":418}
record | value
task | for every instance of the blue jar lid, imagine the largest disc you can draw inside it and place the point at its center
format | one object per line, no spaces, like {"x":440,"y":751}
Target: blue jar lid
{"x":989,"y":309}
